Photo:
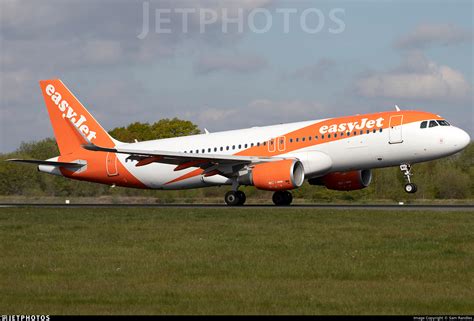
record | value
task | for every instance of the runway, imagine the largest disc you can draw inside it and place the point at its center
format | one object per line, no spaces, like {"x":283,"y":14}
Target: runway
{"x":254,"y":206}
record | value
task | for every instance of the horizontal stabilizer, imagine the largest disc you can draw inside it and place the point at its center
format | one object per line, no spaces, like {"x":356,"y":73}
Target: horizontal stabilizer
{"x":45,"y":162}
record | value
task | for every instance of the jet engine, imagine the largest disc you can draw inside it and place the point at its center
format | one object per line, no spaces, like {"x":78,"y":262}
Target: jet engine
{"x":344,"y":181}
{"x":275,"y":176}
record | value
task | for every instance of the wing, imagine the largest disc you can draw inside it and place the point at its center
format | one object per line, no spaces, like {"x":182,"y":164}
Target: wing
{"x":212,"y":164}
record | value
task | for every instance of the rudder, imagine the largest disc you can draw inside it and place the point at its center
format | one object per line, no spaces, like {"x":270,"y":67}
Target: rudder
{"x":65,"y":111}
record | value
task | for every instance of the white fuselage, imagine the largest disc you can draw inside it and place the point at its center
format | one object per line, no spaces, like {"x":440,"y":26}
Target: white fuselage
{"x":380,"y":147}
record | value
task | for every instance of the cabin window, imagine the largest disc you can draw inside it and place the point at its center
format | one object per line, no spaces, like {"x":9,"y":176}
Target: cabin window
{"x":368,"y":131}
{"x":329,"y":135}
{"x":316,"y":137}
{"x":380,"y":130}
{"x":264,"y":143}
{"x":342,"y":134}
{"x":309,"y":138}
{"x":297,"y":139}
{"x":227,"y":148}
{"x":303,"y":139}
{"x":251,"y":145}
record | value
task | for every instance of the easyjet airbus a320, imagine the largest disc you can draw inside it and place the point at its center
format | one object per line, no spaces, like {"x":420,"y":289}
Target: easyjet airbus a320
{"x":337,"y":153}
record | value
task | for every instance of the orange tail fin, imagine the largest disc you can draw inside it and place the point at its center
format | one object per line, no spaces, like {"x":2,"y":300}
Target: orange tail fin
{"x":66,"y":111}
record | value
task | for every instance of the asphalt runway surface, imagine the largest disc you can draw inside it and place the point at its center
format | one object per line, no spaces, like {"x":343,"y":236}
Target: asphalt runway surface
{"x":252,"y":206}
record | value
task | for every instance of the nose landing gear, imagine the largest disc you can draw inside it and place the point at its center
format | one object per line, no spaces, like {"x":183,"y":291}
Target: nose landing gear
{"x":410,"y":187}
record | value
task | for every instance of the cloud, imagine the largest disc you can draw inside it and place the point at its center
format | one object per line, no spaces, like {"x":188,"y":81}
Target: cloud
{"x":316,"y":72}
{"x":258,"y":112}
{"x":241,"y":63}
{"x":91,"y":42}
{"x":80,"y":34}
{"x":416,"y":78}
{"x":427,"y":35}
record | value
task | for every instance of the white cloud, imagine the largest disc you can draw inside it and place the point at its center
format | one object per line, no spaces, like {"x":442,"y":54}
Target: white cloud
{"x":416,"y":78}
{"x":258,"y":112}
{"x":69,"y":39}
{"x":426,"y":35}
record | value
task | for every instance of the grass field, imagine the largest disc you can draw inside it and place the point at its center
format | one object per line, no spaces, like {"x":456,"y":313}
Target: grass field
{"x":235,"y":261}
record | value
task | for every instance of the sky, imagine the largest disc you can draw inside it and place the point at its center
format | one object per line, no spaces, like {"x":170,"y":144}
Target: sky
{"x":227,"y":64}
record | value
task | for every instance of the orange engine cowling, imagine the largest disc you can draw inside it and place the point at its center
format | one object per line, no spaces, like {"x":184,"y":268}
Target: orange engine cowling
{"x":345,"y":181}
{"x":275,"y":176}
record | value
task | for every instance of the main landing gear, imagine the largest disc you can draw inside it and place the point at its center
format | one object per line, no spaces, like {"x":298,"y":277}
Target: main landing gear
{"x":282,"y":198}
{"x":409,"y":187}
{"x":238,"y":198}
{"x":235,"y":198}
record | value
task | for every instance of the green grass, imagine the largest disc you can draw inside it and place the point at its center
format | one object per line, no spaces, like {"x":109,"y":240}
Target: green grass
{"x":235,"y":261}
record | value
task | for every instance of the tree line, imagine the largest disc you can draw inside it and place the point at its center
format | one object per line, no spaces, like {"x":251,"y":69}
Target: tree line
{"x":448,"y":178}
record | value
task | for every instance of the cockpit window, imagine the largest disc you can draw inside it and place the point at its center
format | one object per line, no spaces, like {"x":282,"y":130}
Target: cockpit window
{"x":434,"y":123}
{"x":443,"y":123}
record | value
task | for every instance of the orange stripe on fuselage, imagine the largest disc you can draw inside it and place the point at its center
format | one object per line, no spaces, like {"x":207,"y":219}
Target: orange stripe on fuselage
{"x":97,"y":170}
{"x":194,"y":173}
{"x":314,"y":130}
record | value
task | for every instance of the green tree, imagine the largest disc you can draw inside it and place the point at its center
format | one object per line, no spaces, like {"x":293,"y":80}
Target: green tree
{"x":164,"y":128}
{"x":448,"y":178}
{"x":21,"y":179}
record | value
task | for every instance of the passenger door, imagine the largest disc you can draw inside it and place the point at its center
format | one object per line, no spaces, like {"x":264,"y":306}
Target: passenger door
{"x":395,"y":130}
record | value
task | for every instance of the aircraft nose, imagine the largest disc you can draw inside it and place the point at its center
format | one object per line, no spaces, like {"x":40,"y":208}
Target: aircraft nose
{"x":462,"y":139}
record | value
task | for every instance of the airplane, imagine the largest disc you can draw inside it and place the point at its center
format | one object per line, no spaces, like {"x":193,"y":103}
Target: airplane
{"x":338,"y":153}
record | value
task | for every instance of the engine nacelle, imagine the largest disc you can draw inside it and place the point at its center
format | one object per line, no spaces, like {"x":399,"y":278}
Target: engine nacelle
{"x":275,"y":176}
{"x":344,"y":181}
